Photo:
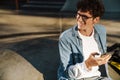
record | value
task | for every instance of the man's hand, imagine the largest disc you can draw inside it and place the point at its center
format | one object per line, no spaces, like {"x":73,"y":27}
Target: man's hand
{"x":93,"y":61}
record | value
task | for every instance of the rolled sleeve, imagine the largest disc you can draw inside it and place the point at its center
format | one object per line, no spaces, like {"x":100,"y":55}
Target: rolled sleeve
{"x":77,"y":71}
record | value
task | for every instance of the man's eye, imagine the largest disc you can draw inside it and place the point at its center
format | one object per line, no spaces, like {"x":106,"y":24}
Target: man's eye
{"x":85,"y":17}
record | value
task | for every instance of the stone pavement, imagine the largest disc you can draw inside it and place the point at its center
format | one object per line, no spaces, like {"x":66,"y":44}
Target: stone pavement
{"x":35,"y":38}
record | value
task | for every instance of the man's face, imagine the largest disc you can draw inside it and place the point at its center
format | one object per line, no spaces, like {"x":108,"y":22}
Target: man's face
{"x":85,"y":20}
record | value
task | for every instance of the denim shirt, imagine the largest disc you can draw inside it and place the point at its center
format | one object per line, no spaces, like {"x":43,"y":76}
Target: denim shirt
{"x":71,"y":52}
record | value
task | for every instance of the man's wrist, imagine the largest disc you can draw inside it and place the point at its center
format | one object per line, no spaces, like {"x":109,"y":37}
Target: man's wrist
{"x":88,"y":65}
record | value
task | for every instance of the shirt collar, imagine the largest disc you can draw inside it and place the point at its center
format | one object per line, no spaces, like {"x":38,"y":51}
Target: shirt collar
{"x":75,"y":31}
{"x":76,"y":34}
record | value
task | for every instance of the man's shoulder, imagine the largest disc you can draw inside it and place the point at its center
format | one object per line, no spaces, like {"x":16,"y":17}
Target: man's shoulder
{"x":100,"y":27}
{"x":67,"y":33}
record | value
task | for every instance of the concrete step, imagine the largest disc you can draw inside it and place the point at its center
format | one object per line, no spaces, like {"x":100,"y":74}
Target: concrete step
{"x":43,"y":6}
{"x":50,"y":0}
{"x":46,"y":2}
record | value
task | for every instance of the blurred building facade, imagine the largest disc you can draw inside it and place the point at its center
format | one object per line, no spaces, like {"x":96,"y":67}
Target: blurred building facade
{"x":112,"y":7}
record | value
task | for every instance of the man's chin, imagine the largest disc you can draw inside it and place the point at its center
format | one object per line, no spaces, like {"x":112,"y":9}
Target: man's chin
{"x":82,"y":28}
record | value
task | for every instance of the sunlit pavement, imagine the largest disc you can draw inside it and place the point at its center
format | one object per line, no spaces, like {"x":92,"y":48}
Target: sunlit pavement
{"x":16,"y":28}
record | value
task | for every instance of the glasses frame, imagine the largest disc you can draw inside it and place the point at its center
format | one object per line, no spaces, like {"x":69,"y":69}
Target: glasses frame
{"x":84,"y":17}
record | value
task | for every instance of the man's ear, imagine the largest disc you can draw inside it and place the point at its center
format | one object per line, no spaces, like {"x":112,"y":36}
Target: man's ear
{"x":96,"y":20}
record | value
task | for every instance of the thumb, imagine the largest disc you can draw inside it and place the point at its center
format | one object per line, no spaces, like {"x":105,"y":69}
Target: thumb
{"x":95,"y":53}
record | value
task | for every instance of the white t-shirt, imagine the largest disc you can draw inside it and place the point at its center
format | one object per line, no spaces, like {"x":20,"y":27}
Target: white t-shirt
{"x":89,"y":46}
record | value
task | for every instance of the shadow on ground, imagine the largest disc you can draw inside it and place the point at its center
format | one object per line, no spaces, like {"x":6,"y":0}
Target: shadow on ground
{"x":42,"y":53}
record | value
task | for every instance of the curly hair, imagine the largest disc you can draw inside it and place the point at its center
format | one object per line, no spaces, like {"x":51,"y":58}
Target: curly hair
{"x":95,"y":7}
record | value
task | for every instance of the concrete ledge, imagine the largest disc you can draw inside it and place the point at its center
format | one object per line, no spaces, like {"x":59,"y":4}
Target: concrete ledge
{"x":15,"y":67}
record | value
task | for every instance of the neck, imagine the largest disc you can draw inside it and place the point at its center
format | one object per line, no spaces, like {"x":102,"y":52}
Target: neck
{"x":86,"y":32}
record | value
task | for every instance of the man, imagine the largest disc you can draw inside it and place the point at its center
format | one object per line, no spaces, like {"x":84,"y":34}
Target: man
{"x":81,"y":46}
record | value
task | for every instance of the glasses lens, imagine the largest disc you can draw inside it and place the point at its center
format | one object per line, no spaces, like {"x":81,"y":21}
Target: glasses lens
{"x":84,"y":16}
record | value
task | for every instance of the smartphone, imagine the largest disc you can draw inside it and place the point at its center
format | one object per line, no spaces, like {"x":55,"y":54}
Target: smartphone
{"x":106,"y":54}
{"x":98,"y":54}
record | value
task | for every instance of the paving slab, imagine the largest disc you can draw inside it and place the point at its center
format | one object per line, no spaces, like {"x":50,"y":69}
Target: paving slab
{"x":36,"y":38}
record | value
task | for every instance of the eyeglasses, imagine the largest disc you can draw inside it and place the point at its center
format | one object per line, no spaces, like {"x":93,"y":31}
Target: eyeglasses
{"x":84,"y":17}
